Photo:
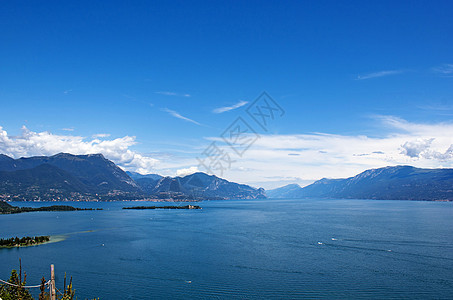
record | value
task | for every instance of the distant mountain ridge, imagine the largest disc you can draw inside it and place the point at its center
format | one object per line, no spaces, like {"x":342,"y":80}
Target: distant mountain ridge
{"x":201,"y":185}
{"x":195,"y":186}
{"x":284,"y":191}
{"x":388,"y":183}
{"x":93,"y":177}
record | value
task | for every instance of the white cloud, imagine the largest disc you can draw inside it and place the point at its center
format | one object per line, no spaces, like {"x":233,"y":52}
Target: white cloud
{"x":67,"y":129}
{"x":173,"y":94}
{"x":311,"y":157}
{"x":118,"y":150}
{"x":188,"y":171}
{"x":414,"y":148}
{"x":179,"y":116}
{"x":432,"y":154}
{"x":273,"y":160}
{"x":228,"y":108}
{"x":379,"y":74}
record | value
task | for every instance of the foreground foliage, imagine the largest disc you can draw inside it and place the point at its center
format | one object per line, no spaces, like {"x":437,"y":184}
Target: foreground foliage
{"x":19,"y":292}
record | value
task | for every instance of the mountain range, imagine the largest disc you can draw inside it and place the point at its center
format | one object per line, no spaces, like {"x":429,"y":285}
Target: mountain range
{"x":389,"y":183}
{"x":93,"y":177}
{"x":195,"y":186}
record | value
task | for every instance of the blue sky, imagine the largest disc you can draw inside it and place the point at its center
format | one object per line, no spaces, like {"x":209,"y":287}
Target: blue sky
{"x":144,"y":81}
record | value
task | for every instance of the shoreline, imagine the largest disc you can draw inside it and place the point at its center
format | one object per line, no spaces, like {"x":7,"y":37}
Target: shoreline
{"x":163,"y":207}
{"x":173,"y":201}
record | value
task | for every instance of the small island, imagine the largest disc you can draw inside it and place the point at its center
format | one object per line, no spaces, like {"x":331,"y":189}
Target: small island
{"x":6,"y":208}
{"x":24,"y":241}
{"x":164,"y":207}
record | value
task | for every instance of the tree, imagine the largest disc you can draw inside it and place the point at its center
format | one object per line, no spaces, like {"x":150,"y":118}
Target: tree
{"x":43,"y":295}
{"x":16,"y":291}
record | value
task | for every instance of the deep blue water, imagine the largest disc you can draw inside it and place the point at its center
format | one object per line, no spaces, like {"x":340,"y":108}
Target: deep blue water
{"x":253,"y":249}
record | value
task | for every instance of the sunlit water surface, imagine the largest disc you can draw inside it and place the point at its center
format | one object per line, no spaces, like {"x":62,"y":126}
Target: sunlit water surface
{"x":250,"y":249}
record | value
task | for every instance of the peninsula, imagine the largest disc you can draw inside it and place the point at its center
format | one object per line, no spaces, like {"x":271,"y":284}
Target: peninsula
{"x":6,"y":208}
{"x":24,"y":241}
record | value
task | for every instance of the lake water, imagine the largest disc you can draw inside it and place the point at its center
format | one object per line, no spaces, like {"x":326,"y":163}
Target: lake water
{"x":253,"y":249}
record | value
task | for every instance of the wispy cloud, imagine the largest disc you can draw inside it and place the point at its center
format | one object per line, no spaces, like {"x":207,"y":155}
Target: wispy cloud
{"x":67,"y":91}
{"x":379,"y":74}
{"x":166,"y":93}
{"x":101,"y":135}
{"x":436,"y":107}
{"x":229,"y":108}
{"x":68,"y":129}
{"x":179,"y":116}
{"x":444,"y":70}
{"x":131,"y":98}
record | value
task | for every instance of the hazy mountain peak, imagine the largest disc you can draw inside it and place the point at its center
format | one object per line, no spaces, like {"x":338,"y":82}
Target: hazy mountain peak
{"x":285,"y":191}
{"x":138,"y":176}
{"x":392,"y":183}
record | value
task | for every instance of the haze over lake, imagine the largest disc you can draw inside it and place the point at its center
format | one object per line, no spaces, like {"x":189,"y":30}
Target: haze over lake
{"x":243,"y":249}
